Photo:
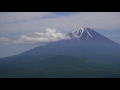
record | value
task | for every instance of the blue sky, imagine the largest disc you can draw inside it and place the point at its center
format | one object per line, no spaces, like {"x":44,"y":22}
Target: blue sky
{"x":21,"y":31}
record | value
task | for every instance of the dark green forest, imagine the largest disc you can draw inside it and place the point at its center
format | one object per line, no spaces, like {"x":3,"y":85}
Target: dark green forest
{"x":61,"y":66}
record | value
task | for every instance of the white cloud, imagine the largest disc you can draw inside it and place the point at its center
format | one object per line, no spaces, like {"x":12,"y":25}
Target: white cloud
{"x":51,"y":35}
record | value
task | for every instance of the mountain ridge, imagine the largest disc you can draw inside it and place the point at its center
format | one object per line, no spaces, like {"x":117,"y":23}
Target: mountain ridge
{"x":98,"y":46}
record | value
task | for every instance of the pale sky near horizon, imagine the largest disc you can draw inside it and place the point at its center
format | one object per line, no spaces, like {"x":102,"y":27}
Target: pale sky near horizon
{"x":21,"y":31}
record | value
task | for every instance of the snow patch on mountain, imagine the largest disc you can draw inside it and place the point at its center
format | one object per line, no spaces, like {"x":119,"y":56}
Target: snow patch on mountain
{"x":80,"y":32}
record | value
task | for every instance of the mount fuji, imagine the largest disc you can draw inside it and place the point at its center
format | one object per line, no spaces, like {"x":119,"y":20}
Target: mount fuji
{"x":84,"y":41}
{"x":86,"y":54}
{"x":82,"y":33}
{"x":87,"y":33}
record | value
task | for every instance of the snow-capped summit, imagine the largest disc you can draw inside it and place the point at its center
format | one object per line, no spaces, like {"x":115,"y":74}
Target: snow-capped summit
{"x":82,"y":32}
{"x":86,"y":33}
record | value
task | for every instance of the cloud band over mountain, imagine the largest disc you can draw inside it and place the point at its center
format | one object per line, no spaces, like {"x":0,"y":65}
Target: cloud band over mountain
{"x":51,"y":35}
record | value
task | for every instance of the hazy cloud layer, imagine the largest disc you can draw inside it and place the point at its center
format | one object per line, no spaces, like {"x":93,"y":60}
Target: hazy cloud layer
{"x":33,"y":21}
{"x":4,"y":40}
{"x":15,"y":17}
{"x":51,"y":35}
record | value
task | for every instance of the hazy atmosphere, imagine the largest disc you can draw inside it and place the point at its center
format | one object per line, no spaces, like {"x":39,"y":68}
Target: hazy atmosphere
{"x":59,"y":45}
{"x":21,"y":31}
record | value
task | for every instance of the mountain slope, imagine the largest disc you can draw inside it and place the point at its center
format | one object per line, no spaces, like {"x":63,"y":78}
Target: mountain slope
{"x":87,"y":43}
